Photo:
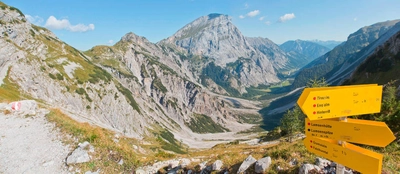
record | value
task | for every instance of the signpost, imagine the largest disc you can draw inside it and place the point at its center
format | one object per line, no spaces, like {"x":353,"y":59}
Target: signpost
{"x":328,"y":130}
{"x":371,"y":133}
{"x":360,"y":159}
{"x":323,"y":103}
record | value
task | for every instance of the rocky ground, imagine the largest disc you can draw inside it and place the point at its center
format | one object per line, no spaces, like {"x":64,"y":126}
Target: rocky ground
{"x":30,"y":144}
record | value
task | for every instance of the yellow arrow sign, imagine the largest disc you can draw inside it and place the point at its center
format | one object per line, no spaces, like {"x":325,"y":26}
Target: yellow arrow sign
{"x":333,"y":102}
{"x":372,"y":133}
{"x":357,"y":158}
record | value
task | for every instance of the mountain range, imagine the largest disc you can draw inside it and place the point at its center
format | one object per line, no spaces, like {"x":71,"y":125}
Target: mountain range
{"x":191,"y":84}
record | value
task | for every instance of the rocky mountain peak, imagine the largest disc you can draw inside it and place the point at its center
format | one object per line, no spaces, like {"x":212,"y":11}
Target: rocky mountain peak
{"x":133,"y":38}
{"x":213,"y":36}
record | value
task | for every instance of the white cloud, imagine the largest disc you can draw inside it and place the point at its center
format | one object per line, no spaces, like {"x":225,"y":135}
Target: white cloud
{"x":241,"y":17}
{"x":253,"y":13}
{"x":110,"y":41}
{"x":81,"y":28}
{"x":37,"y":20}
{"x":355,"y":19}
{"x":286,"y":17}
{"x":261,"y":18}
{"x":64,"y":24}
{"x":268,"y":22}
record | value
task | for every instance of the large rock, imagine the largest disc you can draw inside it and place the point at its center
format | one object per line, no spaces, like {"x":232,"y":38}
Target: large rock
{"x":309,"y":168}
{"x":80,"y":154}
{"x":184,"y":162}
{"x":322,"y":163}
{"x":246,"y":164}
{"x":140,"y":171}
{"x":173,"y":164}
{"x":217,"y":165}
{"x":262,"y":164}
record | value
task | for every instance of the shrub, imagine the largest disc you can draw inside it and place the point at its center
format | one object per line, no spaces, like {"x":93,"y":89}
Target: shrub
{"x":59,"y":76}
{"x":52,"y":76}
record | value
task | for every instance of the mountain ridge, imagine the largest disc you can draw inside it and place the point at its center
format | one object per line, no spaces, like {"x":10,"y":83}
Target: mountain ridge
{"x":357,"y":41}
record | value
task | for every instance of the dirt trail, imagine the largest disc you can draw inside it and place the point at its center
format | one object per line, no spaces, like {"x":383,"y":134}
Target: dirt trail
{"x":30,"y":145}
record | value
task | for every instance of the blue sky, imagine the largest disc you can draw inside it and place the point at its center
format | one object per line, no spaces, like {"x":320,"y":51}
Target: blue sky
{"x":86,"y":23}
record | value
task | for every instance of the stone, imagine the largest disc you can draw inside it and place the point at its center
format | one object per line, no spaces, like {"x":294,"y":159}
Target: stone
{"x":348,"y":171}
{"x":246,"y":164}
{"x":135,"y":147}
{"x":80,"y":154}
{"x":184,"y":162}
{"x":321,"y":162}
{"x":262,"y":164}
{"x":309,"y":168}
{"x":189,"y":172}
{"x":173,"y":164}
{"x":202,"y":165}
{"x":90,"y":172}
{"x":293,"y":162}
{"x":140,"y":171}
{"x":121,"y":162}
{"x":217,"y":165}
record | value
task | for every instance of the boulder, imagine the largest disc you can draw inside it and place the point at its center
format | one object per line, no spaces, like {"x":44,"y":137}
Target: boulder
{"x":309,"y":168}
{"x":322,"y":163}
{"x":262,"y":164}
{"x":80,"y":154}
{"x":246,"y":164}
{"x":173,"y":164}
{"x":184,"y":162}
{"x":140,"y":171}
{"x":206,"y":170}
{"x":202,"y":165}
{"x":217,"y":165}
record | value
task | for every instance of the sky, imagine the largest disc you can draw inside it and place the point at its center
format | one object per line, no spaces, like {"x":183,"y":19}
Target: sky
{"x":87,"y":23}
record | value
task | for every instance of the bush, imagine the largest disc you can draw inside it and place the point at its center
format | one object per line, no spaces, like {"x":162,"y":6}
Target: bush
{"x":59,"y":76}
{"x":80,"y":91}
{"x":52,"y":76}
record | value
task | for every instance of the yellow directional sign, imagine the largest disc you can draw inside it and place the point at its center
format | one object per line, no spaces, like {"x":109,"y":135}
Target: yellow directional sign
{"x":333,"y":102}
{"x":372,"y":133}
{"x":354,"y":157}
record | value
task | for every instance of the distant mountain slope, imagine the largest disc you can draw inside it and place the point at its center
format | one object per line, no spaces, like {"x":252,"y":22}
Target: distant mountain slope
{"x":282,"y":61}
{"x":326,"y":65}
{"x":309,"y":50}
{"x":331,"y":44}
{"x":380,"y":67}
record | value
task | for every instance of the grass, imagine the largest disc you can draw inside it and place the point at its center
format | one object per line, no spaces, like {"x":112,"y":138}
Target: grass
{"x":204,"y":124}
{"x":9,"y":91}
{"x":159,"y":85}
{"x":168,"y":142}
{"x":102,"y":140}
{"x":128,"y":95}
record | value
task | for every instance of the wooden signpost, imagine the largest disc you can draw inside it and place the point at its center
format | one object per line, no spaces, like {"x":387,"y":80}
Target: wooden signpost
{"x":328,"y":130}
{"x":360,"y":159}
{"x":371,"y":133}
{"x":335,"y":102}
